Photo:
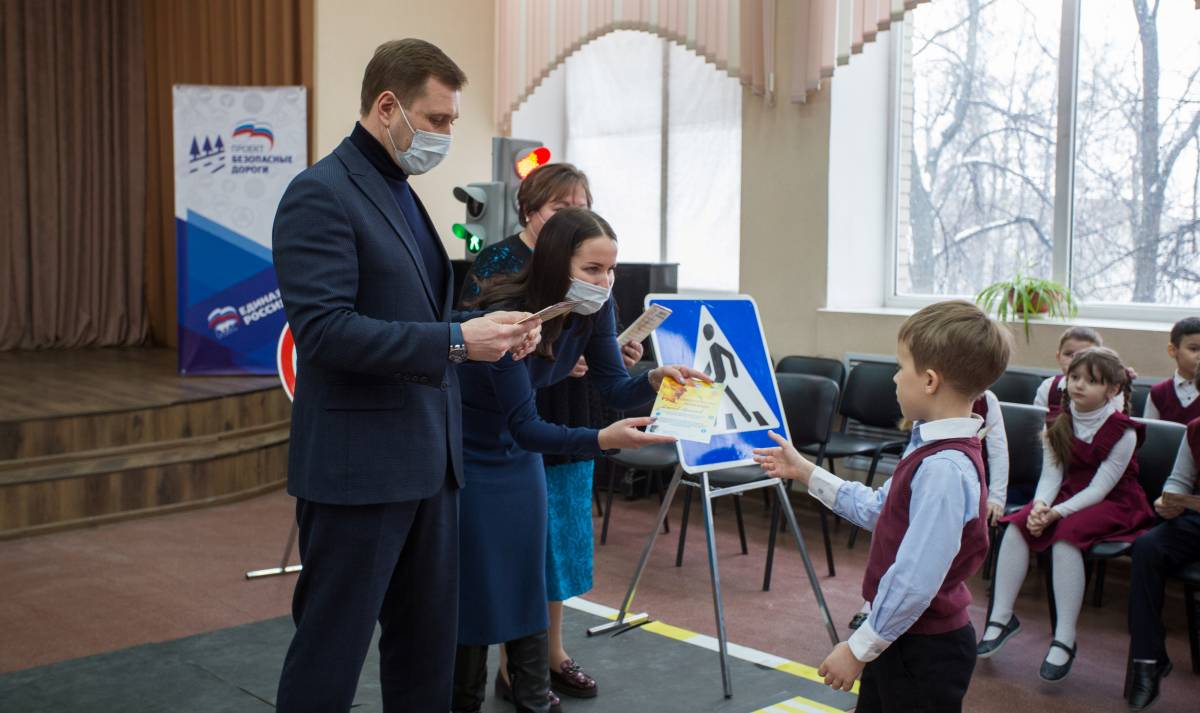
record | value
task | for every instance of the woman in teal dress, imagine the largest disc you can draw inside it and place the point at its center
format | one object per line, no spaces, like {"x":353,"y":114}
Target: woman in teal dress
{"x":570,"y":402}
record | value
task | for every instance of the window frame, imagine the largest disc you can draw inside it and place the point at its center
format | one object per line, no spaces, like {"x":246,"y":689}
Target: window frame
{"x":1068,"y":75}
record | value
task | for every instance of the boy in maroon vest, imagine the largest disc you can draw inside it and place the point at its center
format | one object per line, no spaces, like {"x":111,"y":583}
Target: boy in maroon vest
{"x":1175,"y":399}
{"x":916,"y":651}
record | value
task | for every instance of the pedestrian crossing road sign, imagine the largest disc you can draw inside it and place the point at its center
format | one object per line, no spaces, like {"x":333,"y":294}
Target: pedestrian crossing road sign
{"x":723,"y":337}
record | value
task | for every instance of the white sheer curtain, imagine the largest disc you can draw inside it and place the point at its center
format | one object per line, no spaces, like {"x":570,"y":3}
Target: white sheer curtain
{"x":704,"y":176}
{"x":613,"y":133}
{"x":611,"y":127}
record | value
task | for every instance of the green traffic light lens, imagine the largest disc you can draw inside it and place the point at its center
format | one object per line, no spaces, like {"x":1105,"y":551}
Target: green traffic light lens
{"x":474,"y":245}
{"x":460,"y":231}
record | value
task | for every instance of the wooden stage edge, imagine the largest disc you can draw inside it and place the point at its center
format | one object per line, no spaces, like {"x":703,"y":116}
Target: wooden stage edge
{"x":96,"y":436}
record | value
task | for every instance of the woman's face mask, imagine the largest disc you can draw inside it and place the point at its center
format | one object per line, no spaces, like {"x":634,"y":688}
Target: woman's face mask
{"x":592,"y":274}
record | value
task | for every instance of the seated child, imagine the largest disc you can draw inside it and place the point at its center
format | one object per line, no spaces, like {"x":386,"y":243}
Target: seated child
{"x":1167,"y":547}
{"x":1087,"y":493}
{"x":1174,"y":399}
{"x":915,"y":650}
{"x":1072,"y":341}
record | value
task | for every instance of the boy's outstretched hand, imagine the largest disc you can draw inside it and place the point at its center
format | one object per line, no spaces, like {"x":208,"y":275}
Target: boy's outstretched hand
{"x":840,"y":668}
{"x":784,"y":461}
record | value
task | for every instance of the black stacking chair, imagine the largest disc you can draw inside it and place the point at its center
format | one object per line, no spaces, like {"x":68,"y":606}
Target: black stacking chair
{"x":815,"y":366}
{"x":654,"y":459}
{"x":1141,"y":394}
{"x":869,"y":399}
{"x":1156,"y":459}
{"x":1018,"y":387}
{"x":1189,"y":574}
{"x":810,"y":403}
{"x":809,"y":407}
{"x":1023,"y":425}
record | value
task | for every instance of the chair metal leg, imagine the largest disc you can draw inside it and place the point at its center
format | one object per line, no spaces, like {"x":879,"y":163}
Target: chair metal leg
{"x":987,"y":560}
{"x":596,"y":500}
{"x":1047,"y":564}
{"x":870,"y":483}
{"x":837,"y":521}
{"x":718,"y":606}
{"x":770,"y":564}
{"x":737,"y":510}
{"x":658,"y":486}
{"x":828,"y":542}
{"x":1101,"y":569}
{"x":1193,"y":624}
{"x":624,"y":620}
{"x":815,"y":583}
{"x":612,"y":487}
{"x":687,"y":507}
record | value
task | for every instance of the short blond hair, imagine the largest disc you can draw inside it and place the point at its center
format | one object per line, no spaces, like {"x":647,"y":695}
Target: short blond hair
{"x":968,"y":349}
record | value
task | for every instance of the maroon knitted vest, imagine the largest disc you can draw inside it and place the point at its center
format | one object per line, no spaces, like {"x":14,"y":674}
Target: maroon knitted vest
{"x":1167,"y":402}
{"x":1054,"y":400}
{"x":948,"y":610}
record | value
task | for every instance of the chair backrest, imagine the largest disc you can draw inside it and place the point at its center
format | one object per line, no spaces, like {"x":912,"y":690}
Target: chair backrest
{"x":817,"y":366}
{"x":809,"y":404}
{"x":637,"y":370}
{"x":1017,"y":387}
{"x":870,"y":395}
{"x":1023,"y":425}
{"x":1156,"y":457}
{"x":1141,"y":394}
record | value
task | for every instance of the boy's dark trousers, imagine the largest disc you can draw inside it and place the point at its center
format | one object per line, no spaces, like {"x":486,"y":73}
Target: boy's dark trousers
{"x":1156,"y":554}
{"x":920,"y":674}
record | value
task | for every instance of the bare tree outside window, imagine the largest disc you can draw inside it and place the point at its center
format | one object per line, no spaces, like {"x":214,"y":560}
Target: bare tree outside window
{"x":1137,"y":143}
{"x":981,"y":159}
{"x":977,"y":154}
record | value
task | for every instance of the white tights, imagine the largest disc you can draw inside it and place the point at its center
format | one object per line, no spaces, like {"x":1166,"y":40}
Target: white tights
{"x":1069,"y":581}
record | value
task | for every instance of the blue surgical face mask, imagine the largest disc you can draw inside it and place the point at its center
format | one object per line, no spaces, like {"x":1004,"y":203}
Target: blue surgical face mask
{"x":593,"y":296}
{"x":427,"y":149}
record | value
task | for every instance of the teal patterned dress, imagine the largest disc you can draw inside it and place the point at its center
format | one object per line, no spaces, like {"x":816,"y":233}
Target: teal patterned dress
{"x":571,"y":402}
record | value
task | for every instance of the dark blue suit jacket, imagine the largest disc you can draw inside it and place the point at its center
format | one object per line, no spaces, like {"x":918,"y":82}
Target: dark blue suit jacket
{"x":377,"y":412}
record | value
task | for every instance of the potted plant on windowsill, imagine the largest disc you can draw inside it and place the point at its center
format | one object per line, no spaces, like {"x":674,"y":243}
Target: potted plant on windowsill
{"x":1028,"y":298}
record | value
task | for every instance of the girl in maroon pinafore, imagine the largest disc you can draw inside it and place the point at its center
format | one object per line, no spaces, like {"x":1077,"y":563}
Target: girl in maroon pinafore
{"x":1088,"y":493}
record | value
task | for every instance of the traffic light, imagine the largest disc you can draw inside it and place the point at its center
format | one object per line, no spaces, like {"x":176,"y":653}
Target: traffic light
{"x":512,"y":161}
{"x":484,"y":223}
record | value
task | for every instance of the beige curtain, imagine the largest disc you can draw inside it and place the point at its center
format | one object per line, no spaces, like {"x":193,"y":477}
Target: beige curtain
{"x":72,"y":174}
{"x":237,"y":42}
{"x":738,"y":36}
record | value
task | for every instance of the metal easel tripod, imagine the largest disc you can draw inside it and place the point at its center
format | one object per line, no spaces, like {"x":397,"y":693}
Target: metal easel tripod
{"x":624,"y":620}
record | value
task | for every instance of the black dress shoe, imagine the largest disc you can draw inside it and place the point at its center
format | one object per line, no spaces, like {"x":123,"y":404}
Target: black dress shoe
{"x":1143,"y":687}
{"x":1054,"y":672}
{"x":858,"y":619}
{"x":988,"y":647}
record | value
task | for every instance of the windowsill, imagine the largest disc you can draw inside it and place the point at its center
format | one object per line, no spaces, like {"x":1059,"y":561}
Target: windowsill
{"x":1150,"y":327}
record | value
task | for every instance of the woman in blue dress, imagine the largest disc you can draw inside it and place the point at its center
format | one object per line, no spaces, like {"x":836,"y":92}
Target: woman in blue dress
{"x":570,"y":402}
{"x":502,"y":518}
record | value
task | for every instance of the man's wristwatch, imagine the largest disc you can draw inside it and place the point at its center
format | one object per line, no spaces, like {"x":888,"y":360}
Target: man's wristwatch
{"x":458,"y":353}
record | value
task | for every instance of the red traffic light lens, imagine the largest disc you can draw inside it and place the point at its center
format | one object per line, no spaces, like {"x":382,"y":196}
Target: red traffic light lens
{"x":537,"y":157}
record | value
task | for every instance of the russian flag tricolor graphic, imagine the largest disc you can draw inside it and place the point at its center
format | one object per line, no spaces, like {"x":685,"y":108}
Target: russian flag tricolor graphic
{"x":251,"y":130}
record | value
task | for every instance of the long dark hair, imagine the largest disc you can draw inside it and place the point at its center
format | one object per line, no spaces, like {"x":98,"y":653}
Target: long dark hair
{"x":547,"y":277}
{"x":1105,"y":366}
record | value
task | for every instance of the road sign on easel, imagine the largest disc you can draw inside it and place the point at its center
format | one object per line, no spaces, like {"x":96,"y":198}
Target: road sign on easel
{"x":285,"y":363}
{"x":724,"y":338}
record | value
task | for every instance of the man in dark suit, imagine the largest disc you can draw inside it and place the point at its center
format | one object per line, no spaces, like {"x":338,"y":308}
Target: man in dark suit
{"x":375,"y":457}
